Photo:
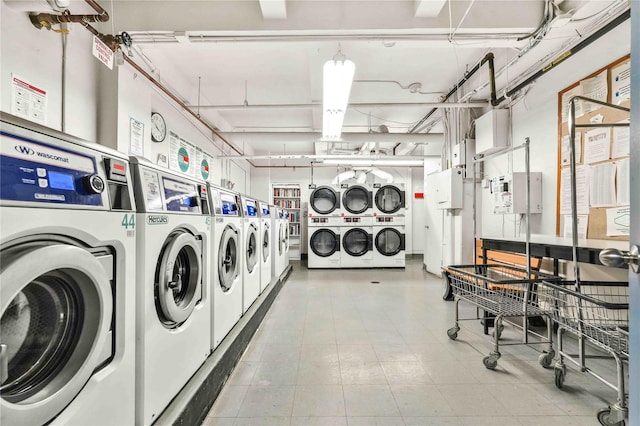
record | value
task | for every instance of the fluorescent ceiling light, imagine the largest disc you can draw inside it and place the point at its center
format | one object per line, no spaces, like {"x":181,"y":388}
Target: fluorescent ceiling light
{"x":337,"y":79}
{"x":363,"y":162}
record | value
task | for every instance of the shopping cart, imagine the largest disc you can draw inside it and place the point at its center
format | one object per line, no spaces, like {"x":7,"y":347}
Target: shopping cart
{"x":506,"y":292}
{"x":599,"y":315}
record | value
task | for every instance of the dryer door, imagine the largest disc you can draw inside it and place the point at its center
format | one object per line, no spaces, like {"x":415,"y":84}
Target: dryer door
{"x":56,"y":312}
{"x":324,"y":200}
{"x":179,"y":285}
{"x":252,"y":248}
{"x":324,"y":242}
{"x":356,"y":199}
{"x":389,"y":199}
{"x":389,"y":241}
{"x":356,"y":242}
{"x":228,"y":258}
{"x":266,"y":243}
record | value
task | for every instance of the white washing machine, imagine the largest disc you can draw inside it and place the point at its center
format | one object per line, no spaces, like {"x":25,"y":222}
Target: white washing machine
{"x":287,"y":239}
{"x":389,"y":241}
{"x":67,"y":280}
{"x":277,"y":236}
{"x":357,"y":200}
{"x":252,"y":245}
{"x":388,"y":199}
{"x":324,"y":242}
{"x":324,"y":201}
{"x":173,"y":301}
{"x":265,"y":245}
{"x":357,"y":242}
{"x":228,"y":255}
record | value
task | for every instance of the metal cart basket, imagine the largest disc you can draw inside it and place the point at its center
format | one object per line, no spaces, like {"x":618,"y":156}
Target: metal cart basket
{"x":506,"y":292}
{"x":599,"y":315}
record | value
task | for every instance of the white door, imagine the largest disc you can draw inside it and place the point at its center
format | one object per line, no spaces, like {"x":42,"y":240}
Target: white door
{"x":433,"y":228}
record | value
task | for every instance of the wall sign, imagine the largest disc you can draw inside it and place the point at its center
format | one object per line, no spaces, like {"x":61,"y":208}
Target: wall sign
{"x":28,"y":101}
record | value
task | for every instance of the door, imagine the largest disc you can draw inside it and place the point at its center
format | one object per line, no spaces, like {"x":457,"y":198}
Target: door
{"x":357,"y":242}
{"x":324,"y":200}
{"x":389,"y":199}
{"x":324,"y":242}
{"x":356,"y":199}
{"x":266,"y":246}
{"x":252,"y":248}
{"x":228,"y":258}
{"x":433,"y":224}
{"x":56,"y":314}
{"x":389,"y":241}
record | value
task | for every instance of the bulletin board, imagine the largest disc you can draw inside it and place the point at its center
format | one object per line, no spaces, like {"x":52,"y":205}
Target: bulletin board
{"x":602,"y":156}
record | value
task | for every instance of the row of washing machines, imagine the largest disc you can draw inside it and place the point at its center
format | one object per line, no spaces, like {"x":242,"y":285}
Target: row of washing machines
{"x":357,"y":226}
{"x":117,"y":278}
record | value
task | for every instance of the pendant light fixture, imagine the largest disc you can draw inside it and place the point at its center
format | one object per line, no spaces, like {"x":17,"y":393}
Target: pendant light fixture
{"x":337,"y":78}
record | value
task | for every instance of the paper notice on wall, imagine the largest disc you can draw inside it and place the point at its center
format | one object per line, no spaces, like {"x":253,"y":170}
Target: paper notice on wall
{"x":582,"y":190}
{"x":621,"y":83}
{"x":597,"y":145}
{"x":28,"y":101}
{"x":181,"y":154}
{"x":204,"y":166}
{"x":566,"y":97}
{"x":566,"y":158}
{"x":583,"y":225}
{"x":618,"y":221}
{"x":620,"y":146}
{"x":136,"y":137}
{"x":602,"y":185}
{"x":595,"y":88}
{"x":622,"y":182}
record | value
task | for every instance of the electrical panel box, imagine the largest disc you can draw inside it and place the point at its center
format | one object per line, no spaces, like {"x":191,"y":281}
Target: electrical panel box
{"x":448,"y":189}
{"x":492,"y":131}
{"x":510,"y":193}
{"x":458,"y":155}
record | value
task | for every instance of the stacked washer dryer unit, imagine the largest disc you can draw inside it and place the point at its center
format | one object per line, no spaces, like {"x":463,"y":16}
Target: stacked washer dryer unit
{"x":174,"y":313}
{"x":389,"y":225}
{"x":265,"y":245}
{"x":252,"y":245}
{"x":357,"y":226}
{"x":67,"y":280}
{"x":228,"y":255}
{"x":324,"y":223}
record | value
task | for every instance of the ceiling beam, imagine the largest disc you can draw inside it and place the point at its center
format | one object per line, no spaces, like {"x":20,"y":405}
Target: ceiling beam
{"x":429,"y":8}
{"x":417,"y":104}
{"x":273,"y":9}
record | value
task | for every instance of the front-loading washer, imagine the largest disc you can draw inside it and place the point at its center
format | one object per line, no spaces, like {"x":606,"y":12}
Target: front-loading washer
{"x":357,"y":242}
{"x":67,"y":280}
{"x":173,"y":301}
{"x":324,"y":242}
{"x":252,"y":244}
{"x":324,"y":201}
{"x":265,"y":245}
{"x":357,"y":200}
{"x":228,"y":254}
{"x":389,"y":241}
{"x":388,"y":199}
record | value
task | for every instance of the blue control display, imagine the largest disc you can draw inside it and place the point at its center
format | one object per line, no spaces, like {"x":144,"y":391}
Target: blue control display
{"x":265,"y":211}
{"x":251,"y":210}
{"x":59,"y":180}
{"x":229,"y":205}
{"x":180,"y":196}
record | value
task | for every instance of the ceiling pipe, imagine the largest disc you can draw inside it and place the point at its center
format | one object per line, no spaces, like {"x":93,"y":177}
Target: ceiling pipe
{"x":478,"y":104}
{"x":46,"y":20}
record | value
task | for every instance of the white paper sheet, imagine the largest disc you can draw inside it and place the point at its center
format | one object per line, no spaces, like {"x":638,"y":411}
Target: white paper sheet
{"x":622,"y":182}
{"x":602,"y":185}
{"x":621,"y":139}
{"x":566,"y":97}
{"x":596,"y":88}
{"x":136,"y":137}
{"x":582,"y":190}
{"x":583,"y":225}
{"x":621,"y":83}
{"x":565,"y":149}
{"x":597,"y":145}
{"x":618,"y":221}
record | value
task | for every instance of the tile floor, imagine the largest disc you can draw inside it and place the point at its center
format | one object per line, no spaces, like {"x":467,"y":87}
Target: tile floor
{"x":336,"y":349}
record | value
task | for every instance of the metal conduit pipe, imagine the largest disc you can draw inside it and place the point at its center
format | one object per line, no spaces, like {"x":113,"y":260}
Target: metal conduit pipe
{"x":46,"y":20}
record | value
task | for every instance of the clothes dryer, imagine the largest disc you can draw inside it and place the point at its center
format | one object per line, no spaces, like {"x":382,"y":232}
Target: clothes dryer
{"x":324,"y":201}
{"x":357,"y":200}
{"x":388,"y":199}
{"x":228,"y":255}
{"x":67,"y":280}
{"x":265,"y":245}
{"x":389,"y":241}
{"x":324,"y":242}
{"x":174,"y":312}
{"x":252,"y":245}
{"x":357,"y":242}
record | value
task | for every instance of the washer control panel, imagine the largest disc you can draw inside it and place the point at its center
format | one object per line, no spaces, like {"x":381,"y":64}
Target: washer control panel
{"x":250,"y":207}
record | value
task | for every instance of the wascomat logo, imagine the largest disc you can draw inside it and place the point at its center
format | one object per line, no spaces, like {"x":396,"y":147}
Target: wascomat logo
{"x":157,"y":219}
{"x":24,"y":150}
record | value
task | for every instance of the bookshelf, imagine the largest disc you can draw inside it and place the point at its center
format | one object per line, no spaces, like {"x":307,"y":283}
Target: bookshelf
{"x":287,"y":197}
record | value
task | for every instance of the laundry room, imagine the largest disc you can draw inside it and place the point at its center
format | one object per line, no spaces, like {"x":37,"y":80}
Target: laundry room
{"x":291,"y":212}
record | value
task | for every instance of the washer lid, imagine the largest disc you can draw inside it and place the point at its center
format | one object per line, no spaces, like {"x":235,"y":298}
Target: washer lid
{"x":390,"y":241}
{"x":228,"y":258}
{"x":324,"y":242}
{"x":55,"y":317}
{"x":324,"y":200}
{"x":389,"y":199}
{"x":252,"y":247}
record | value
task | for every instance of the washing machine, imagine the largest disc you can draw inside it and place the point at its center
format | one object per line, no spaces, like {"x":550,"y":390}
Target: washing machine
{"x":67,"y":280}
{"x":357,"y":200}
{"x":173,"y":301}
{"x":265,"y":245}
{"x":388,"y":199}
{"x":324,"y":201}
{"x":389,"y":241}
{"x":252,"y":245}
{"x":228,"y":255}
{"x":279,"y":249}
{"x":357,"y":242}
{"x":324,"y":242}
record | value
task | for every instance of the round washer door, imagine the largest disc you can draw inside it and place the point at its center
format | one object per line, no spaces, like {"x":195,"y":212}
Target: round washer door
{"x":252,"y":248}
{"x":324,"y":242}
{"x":356,"y":242}
{"x":228,"y":258}
{"x":179,"y":285}
{"x":324,"y":200}
{"x":56,"y":309}
{"x":356,"y":199}
{"x":389,"y":199}
{"x":282,"y":239}
{"x":389,"y":241}
{"x":266,"y":244}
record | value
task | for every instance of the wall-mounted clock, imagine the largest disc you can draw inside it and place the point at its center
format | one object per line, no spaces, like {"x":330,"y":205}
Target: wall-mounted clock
{"x":158,"y":127}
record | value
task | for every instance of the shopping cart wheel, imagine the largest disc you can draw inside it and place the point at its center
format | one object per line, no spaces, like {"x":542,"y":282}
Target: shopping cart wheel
{"x":498,"y":330}
{"x":490,"y":361}
{"x":603,"y":418}
{"x":559,"y":372}
{"x":453,"y":333}
{"x":546,"y":358}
